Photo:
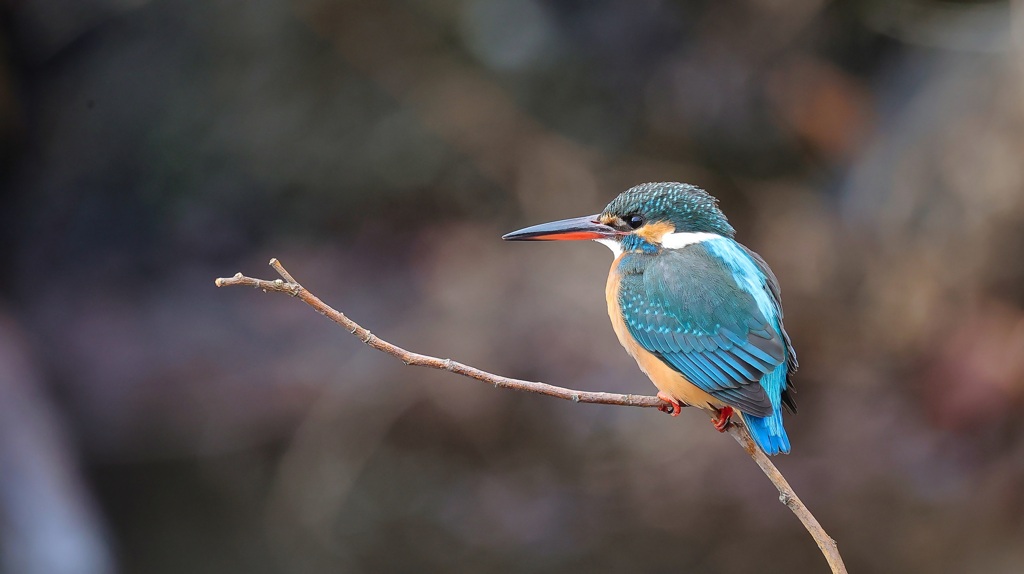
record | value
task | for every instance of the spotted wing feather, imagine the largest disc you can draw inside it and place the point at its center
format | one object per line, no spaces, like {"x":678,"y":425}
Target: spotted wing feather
{"x":687,"y":309}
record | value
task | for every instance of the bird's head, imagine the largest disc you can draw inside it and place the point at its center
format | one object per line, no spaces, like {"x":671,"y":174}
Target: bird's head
{"x":646,"y":217}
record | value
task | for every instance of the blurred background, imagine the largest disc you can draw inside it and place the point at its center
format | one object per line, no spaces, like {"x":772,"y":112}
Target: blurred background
{"x":872,"y":151}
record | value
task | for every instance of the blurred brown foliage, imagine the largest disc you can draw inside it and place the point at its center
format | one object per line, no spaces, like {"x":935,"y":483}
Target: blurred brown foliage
{"x":151,"y":423}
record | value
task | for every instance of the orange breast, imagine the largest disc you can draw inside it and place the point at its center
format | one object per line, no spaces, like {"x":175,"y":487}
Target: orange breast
{"x":663,"y":376}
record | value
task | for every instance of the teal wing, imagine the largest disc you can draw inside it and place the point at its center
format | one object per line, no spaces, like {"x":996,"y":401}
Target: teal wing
{"x":776,"y":297}
{"x":687,"y":308}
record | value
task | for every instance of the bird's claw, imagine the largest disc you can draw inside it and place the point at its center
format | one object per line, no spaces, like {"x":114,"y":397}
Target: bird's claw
{"x":671,"y":405}
{"x":721,"y":422}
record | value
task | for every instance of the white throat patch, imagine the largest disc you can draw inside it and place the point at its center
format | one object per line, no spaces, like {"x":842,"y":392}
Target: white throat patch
{"x":679,"y":240}
{"x":612,"y":244}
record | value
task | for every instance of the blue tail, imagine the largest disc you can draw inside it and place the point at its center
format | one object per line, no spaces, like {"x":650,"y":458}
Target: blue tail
{"x":768,"y":432}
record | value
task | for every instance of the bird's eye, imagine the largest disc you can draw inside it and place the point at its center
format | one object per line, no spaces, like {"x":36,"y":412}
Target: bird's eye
{"x":635,"y":221}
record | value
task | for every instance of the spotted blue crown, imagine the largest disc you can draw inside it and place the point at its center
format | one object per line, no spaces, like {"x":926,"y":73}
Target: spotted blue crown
{"x":687,"y":207}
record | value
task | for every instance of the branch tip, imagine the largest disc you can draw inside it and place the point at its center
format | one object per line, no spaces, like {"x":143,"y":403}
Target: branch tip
{"x":276,"y":264}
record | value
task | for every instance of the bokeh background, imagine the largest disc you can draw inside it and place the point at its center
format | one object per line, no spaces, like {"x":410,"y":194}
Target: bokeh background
{"x":872,"y":151}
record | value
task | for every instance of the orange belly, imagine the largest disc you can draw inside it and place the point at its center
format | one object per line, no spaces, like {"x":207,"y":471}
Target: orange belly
{"x":667,"y":379}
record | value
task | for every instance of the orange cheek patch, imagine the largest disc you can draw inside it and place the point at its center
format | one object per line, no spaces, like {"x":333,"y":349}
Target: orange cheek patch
{"x":653,"y":232}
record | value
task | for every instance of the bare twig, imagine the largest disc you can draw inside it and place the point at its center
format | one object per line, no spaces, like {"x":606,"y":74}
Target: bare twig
{"x":738,"y":431}
{"x":788,"y":497}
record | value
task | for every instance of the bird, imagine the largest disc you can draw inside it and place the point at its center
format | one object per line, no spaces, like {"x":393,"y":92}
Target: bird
{"x":699,"y":312}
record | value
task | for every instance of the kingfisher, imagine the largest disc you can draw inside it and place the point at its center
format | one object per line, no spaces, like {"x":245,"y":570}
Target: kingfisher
{"x":699,"y":312}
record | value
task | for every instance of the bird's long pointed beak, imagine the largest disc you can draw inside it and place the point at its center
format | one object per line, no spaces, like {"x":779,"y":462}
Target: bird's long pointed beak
{"x":565,"y":230}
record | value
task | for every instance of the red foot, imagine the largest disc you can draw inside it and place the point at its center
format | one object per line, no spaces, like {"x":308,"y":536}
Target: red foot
{"x":673,"y":407}
{"x":723,"y":419}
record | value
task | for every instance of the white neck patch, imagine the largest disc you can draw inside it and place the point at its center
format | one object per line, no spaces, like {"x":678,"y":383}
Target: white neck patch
{"x":679,"y":240}
{"x":612,"y":244}
{"x":668,"y":241}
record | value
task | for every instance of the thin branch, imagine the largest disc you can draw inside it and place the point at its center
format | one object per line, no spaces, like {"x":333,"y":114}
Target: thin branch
{"x":788,"y":497}
{"x":292,"y":288}
{"x":738,"y":431}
